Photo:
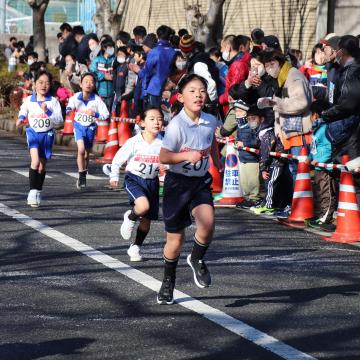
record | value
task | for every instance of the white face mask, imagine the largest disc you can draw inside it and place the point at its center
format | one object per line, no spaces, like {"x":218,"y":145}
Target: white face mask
{"x":274,"y":71}
{"x":181,"y":65}
{"x":261,"y":70}
{"x":30,"y":62}
{"x":253,"y":124}
{"x":110,"y":51}
{"x":94,"y":47}
{"x":225,"y":55}
{"x":120,"y":60}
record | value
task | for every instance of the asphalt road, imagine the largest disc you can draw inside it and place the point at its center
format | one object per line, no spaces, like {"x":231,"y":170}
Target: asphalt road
{"x":68,"y":290}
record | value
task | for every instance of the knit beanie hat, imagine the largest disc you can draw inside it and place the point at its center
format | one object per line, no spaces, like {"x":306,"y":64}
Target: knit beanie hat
{"x":187,"y":43}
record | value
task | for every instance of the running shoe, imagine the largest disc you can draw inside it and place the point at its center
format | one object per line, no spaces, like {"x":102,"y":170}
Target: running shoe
{"x":166,"y":292}
{"x":32,"y":198}
{"x":81,"y":183}
{"x":284,"y":213}
{"x":263,"y":210}
{"x":38,"y":197}
{"x":127,"y":226}
{"x":202,"y":276}
{"x":134,"y":253}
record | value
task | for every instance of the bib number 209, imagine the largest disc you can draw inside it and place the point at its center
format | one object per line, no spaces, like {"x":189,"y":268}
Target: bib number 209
{"x":41,"y":123}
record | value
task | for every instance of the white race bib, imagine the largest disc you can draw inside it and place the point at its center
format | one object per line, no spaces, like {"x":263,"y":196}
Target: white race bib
{"x":84,"y":119}
{"x":147,"y":170}
{"x":39,"y":123}
{"x":198,"y":169}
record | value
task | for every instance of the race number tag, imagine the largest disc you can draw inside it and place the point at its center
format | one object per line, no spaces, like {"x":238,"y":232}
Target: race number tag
{"x":40,"y":123}
{"x":198,"y":169}
{"x":83,"y":118}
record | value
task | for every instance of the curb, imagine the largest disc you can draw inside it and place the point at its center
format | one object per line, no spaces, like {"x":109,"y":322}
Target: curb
{"x":7,"y":123}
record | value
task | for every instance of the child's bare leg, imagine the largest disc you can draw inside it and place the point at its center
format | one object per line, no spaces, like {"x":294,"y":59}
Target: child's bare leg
{"x":81,"y":158}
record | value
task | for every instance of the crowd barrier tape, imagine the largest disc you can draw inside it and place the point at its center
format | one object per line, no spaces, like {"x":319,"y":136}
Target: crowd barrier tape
{"x":226,"y":140}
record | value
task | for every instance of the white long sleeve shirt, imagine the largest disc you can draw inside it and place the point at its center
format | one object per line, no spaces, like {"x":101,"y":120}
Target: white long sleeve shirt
{"x":39,"y":120}
{"x":141,"y":157}
{"x":87,"y":111}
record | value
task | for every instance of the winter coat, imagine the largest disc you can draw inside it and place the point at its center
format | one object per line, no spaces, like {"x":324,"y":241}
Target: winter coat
{"x":120,"y":77}
{"x":68,"y":46}
{"x":248,"y":137}
{"x":156,"y":70}
{"x":101,"y":66}
{"x":293,"y":106}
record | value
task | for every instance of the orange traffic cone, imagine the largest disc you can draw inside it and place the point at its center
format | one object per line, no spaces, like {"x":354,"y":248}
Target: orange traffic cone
{"x":231,"y":191}
{"x":112,"y":145}
{"x":124,"y":131}
{"x":302,"y":206}
{"x":348,"y":219}
{"x":69,"y":124}
{"x":102,"y":131}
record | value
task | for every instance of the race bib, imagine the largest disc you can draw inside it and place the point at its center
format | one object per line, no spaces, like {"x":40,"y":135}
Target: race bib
{"x":198,"y":169}
{"x":84,"y":119}
{"x":147,"y":170}
{"x":40,"y":123}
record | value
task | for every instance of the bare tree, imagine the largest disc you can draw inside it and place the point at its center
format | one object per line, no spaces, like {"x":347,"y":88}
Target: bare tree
{"x":303,"y":11}
{"x":288,"y":18}
{"x":39,"y":8}
{"x":108,"y":20}
{"x":206,"y":28}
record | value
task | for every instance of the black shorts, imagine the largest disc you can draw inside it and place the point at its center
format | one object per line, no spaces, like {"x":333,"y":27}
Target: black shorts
{"x":137,"y":187}
{"x":181,"y":195}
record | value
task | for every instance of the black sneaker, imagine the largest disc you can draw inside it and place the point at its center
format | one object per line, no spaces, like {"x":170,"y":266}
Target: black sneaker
{"x":165,"y":295}
{"x":202,"y":276}
{"x":327,"y":227}
{"x":81,"y":183}
{"x":246,"y":204}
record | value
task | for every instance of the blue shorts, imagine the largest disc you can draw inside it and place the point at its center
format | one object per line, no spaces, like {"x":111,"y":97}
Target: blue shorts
{"x":181,"y":195}
{"x":86,"y":133}
{"x":137,"y":187}
{"x":43,"y":141}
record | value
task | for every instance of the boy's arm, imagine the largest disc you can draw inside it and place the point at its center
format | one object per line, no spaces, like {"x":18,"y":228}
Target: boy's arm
{"x":170,"y":157}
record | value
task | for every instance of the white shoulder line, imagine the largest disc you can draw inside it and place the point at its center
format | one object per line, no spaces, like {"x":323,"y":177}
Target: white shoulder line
{"x":26,"y":173}
{"x":88,"y":176}
{"x":218,"y":317}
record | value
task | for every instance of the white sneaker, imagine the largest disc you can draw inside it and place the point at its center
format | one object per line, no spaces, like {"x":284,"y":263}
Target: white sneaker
{"x":127,"y":226}
{"x":134,"y":253}
{"x":32,"y":198}
{"x":38,"y":197}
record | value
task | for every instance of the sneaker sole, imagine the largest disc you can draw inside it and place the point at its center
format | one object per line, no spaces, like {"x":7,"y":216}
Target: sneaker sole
{"x":195,"y":279}
{"x":164,"y":302}
{"x":122,"y":234}
{"x":135,"y":259}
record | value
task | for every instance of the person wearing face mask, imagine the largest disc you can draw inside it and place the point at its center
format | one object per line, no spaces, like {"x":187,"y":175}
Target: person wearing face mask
{"x":343,"y":117}
{"x":314,"y":69}
{"x":291,"y":106}
{"x":235,"y":52}
{"x":68,"y":45}
{"x":215,"y":55}
{"x":178,"y":69}
{"x":140,"y":59}
{"x":102,"y":67}
{"x":94,"y":46}
{"x":120,"y":76}
{"x":71,"y":76}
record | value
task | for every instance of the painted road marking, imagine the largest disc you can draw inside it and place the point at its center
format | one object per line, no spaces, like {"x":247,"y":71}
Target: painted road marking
{"x":26,"y":173}
{"x":88,"y":177}
{"x":226,"y":321}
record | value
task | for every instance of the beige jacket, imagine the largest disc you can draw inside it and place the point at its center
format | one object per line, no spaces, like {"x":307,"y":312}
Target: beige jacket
{"x":296,"y":100}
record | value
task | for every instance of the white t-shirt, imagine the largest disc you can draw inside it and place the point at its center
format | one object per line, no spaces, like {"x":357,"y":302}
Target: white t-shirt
{"x":39,"y":120}
{"x":142,"y":158}
{"x":182,"y":134}
{"x":87,"y":111}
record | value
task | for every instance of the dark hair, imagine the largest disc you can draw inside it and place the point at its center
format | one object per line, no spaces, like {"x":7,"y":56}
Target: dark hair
{"x":59,"y":35}
{"x":20,"y":44}
{"x":163,"y":32}
{"x":78,"y":30}
{"x":123,"y":36}
{"x":13,"y":38}
{"x":123,"y":49}
{"x":318,"y":106}
{"x":34,"y":67}
{"x":242,"y":40}
{"x":199,"y":46}
{"x":187,"y":79}
{"x":93,"y":37}
{"x":256,"y":36}
{"x":88,"y":74}
{"x":41,"y":73}
{"x":313,"y":52}
{"x":71,"y":55}
{"x":215,"y":52}
{"x":41,"y":63}
{"x":350,"y":44}
{"x":271,"y":55}
{"x":182,"y":32}
{"x":106,"y":37}
{"x":107,"y":43}
{"x":139,"y":31}
{"x":176,"y":107}
{"x":65,"y":26}
{"x":151,"y":107}
{"x":139,"y":50}
{"x":175,"y":41}
{"x":33,"y":54}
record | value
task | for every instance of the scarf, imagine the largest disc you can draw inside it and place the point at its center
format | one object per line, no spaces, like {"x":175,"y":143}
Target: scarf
{"x":284,"y":72}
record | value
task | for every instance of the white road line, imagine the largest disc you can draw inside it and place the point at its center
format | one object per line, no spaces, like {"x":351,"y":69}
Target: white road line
{"x":88,"y":176}
{"x":218,"y":317}
{"x":26,"y":173}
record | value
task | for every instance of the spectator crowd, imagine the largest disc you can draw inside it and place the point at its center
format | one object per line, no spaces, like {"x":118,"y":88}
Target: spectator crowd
{"x":268,"y":99}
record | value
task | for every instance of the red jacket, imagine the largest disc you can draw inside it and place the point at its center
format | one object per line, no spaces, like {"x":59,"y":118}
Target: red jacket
{"x":237,"y":73}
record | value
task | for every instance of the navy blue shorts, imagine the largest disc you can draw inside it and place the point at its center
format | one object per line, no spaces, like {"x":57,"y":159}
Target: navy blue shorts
{"x":137,"y":187}
{"x":43,"y":141}
{"x":86,"y":133}
{"x":181,"y":195}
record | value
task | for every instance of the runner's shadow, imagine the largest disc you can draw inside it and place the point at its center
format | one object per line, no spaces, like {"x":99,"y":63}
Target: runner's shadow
{"x":26,"y":351}
{"x":296,"y":295}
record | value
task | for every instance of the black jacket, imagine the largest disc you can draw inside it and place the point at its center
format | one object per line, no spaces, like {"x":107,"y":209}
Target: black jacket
{"x":346,"y":94}
{"x":82,"y":50}
{"x":327,"y":93}
{"x":67,"y":47}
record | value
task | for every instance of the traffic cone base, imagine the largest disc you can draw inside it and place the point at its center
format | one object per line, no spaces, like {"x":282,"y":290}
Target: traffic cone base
{"x":112,"y":145}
